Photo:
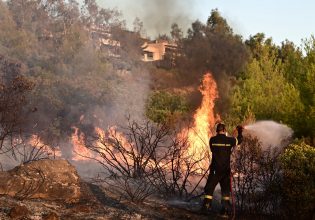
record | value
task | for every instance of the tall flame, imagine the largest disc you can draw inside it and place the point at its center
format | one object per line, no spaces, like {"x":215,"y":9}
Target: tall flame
{"x":204,"y":119}
{"x":198,"y":135}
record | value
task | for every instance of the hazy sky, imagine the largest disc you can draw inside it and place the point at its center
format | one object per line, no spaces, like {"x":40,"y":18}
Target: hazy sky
{"x":279,"y":19}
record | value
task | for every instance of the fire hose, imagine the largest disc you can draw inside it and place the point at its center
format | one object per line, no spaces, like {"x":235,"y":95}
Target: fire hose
{"x":232,"y":196}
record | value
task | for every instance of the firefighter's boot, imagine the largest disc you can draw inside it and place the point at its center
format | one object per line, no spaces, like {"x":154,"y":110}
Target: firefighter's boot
{"x":226,"y":207}
{"x":206,"y":205}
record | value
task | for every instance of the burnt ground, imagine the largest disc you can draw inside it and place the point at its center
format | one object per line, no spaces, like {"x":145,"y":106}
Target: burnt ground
{"x":96,"y":204}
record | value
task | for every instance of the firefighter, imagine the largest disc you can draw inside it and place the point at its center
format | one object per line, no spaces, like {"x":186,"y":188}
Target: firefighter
{"x":221,"y":147}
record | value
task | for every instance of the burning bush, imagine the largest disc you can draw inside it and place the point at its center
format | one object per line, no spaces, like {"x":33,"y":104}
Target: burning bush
{"x":172,"y":159}
{"x":145,"y":159}
{"x":129,"y":159}
{"x":15,"y":109}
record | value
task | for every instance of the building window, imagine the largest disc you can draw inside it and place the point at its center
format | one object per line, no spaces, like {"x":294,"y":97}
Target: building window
{"x":150,"y":55}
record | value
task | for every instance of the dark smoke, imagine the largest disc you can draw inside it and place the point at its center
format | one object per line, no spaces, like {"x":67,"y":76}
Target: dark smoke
{"x":156,"y":15}
{"x":213,"y":47}
{"x":159,"y":15}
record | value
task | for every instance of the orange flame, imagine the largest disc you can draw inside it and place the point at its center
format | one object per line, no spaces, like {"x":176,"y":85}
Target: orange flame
{"x":108,"y":142}
{"x":113,"y":132}
{"x":36,"y":142}
{"x":204,"y":119}
{"x":100,"y":133}
{"x":79,"y":149}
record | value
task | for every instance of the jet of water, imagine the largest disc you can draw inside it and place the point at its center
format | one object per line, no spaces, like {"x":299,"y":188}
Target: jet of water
{"x":270,"y":133}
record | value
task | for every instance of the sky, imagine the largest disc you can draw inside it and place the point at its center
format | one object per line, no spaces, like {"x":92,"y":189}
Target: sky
{"x":280,"y":19}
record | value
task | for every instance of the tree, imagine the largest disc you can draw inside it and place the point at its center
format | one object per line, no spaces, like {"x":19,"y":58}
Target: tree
{"x":216,"y":24}
{"x":298,"y":69}
{"x":163,"y":37}
{"x":14,"y":42}
{"x":212,"y":47}
{"x":164,"y":107}
{"x":266,"y":93}
{"x":92,"y":14}
{"x":14,"y":91}
{"x":138,"y":27}
{"x":288,"y":64}
{"x":53,"y":40}
{"x":307,"y":87}
{"x":176,"y":33}
{"x":256,"y":44}
{"x":298,"y":164}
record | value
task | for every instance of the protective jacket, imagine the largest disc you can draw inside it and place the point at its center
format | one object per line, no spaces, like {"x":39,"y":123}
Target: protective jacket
{"x":221,"y":147}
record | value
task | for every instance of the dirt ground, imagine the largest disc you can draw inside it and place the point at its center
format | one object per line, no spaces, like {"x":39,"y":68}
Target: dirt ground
{"x":96,"y":204}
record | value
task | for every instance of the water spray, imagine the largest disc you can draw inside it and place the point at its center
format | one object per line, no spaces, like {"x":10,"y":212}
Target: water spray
{"x":270,"y":133}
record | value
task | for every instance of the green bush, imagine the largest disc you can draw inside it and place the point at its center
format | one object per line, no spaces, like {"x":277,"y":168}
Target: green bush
{"x":298,"y":164}
{"x":165,"y":107}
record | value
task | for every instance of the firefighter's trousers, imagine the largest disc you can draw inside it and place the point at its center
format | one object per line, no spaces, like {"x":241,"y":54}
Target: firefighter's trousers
{"x":224,"y":179}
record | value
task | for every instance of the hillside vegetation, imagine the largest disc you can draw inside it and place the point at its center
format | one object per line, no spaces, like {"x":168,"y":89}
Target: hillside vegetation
{"x":56,"y":79}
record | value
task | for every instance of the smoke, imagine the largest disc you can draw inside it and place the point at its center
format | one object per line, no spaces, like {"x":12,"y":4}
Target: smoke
{"x":157,"y":15}
{"x":129,"y":99}
{"x":88,"y":169}
{"x":78,"y":86}
{"x":129,"y":88}
{"x":270,"y":133}
{"x":7,"y":162}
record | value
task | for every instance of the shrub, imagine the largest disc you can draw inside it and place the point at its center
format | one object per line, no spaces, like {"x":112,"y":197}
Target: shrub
{"x":165,"y":107}
{"x":298,"y":164}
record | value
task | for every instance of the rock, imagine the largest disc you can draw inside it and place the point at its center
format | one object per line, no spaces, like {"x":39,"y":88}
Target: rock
{"x":45,"y":179}
{"x":51,"y":216}
{"x":18,"y":212}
